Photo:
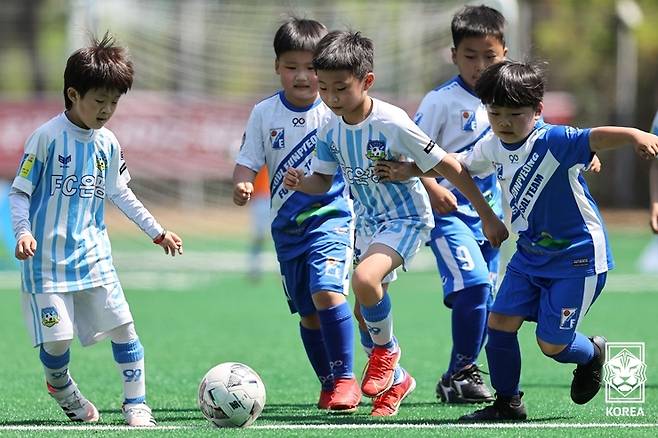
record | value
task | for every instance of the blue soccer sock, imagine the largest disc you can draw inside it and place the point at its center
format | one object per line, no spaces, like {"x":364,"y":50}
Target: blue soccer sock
{"x":56,"y":368}
{"x":469,"y":322}
{"x":337,"y":329}
{"x":129,"y":357}
{"x":379,"y":319}
{"x":580,"y":351}
{"x":317,"y":356}
{"x":504,"y":357}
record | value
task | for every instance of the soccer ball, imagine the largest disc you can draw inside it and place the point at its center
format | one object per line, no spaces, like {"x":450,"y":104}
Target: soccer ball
{"x":231,"y":395}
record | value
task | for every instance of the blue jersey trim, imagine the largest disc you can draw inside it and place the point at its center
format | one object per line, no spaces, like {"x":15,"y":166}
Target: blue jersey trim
{"x":294,"y":108}
{"x":465,"y":86}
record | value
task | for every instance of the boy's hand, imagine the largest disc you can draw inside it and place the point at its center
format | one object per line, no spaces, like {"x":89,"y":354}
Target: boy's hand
{"x":25,"y":247}
{"x":442,"y":199}
{"x":494,"y":230}
{"x":170,"y":242}
{"x":654,"y":217}
{"x":595,"y":164}
{"x":242,"y":192}
{"x":646,"y":145}
{"x":292,"y":179}
{"x":391,"y":171}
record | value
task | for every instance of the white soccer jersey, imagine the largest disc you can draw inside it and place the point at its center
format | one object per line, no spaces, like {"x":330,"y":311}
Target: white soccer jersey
{"x":387,"y":133}
{"x":281,"y":135}
{"x":68,"y":171}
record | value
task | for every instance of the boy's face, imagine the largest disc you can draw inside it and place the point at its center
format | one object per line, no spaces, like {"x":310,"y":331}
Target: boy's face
{"x":298,"y":78}
{"x":512,"y":125}
{"x":474,"y":54}
{"x":94,"y":109}
{"x":345,"y":94}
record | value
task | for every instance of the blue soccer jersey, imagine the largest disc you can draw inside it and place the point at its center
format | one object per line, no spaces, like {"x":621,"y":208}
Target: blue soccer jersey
{"x":68,"y":172}
{"x":654,"y":125}
{"x":387,"y":133}
{"x":281,"y":135}
{"x":561,"y":233}
{"x":455,"y":118}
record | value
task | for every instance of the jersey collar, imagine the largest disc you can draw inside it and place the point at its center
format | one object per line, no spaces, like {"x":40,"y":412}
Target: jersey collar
{"x":514,"y":146}
{"x":463,"y":84}
{"x":294,"y":108}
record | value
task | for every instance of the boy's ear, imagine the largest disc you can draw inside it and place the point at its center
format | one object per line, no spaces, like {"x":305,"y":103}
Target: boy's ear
{"x":453,"y":53}
{"x":72,"y":94}
{"x":368,"y":80}
{"x":276,"y":65}
{"x":539,"y":110}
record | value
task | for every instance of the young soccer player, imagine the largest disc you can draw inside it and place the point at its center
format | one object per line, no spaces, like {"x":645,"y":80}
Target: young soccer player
{"x":562,"y":256}
{"x":312,"y":234}
{"x":653,"y":184}
{"x":394,"y":218}
{"x":71,"y":164}
{"x":453,"y":116}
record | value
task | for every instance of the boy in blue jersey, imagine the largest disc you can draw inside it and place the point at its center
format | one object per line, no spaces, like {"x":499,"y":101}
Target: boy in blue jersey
{"x":394,"y":219}
{"x":312,"y":234}
{"x":454,"y":117}
{"x":562,"y":256}
{"x":71,"y":164}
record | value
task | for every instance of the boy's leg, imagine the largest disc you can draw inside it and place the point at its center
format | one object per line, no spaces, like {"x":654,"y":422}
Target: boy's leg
{"x":468,"y":271}
{"x":49,"y":318}
{"x":562,"y":309}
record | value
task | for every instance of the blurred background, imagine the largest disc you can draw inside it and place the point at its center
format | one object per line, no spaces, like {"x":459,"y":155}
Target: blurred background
{"x":201,"y":65}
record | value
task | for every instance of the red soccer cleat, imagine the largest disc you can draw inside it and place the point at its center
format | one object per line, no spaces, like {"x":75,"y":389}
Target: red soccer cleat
{"x":379,"y":373}
{"x":388,"y":404}
{"x":325,"y":398}
{"x":346,"y":396}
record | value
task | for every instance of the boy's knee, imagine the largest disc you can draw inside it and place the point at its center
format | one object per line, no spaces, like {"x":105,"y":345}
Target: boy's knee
{"x":311,"y":322}
{"x":504,"y":323}
{"x":56,"y":348}
{"x":123,"y":334}
{"x":549,"y":349}
{"x":362,"y":282}
{"x":327,"y":299}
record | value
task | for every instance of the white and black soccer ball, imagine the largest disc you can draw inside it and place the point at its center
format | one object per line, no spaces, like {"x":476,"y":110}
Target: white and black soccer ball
{"x":231,"y":395}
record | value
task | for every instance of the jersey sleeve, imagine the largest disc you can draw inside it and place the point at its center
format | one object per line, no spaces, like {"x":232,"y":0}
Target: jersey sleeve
{"x":323,"y":160}
{"x":117,"y":176}
{"x":413,"y":143}
{"x":654,"y":125}
{"x":31,"y":169}
{"x":430,"y":117}
{"x":252,"y":149}
{"x":476,"y":160}
{"x":570,"y":145}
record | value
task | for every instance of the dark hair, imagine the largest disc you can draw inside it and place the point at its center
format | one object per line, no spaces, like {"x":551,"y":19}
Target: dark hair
{"x":101,"y":65}
{"x":511,"y":84}
{"x":343,"y":50}
{"x":298,"y":34}
{"x":477,"y":21}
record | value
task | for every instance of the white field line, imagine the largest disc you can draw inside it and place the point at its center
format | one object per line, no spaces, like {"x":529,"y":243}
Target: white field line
{"x":353,"y":426}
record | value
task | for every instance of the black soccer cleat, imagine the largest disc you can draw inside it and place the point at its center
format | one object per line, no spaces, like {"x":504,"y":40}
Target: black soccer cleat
{"x":586,"y":381}
{"x":465,"y":386}
{"x":502,"y":409}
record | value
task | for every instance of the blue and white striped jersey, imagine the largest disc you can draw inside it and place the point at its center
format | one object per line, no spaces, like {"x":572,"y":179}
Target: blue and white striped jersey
{"x":68,"y":171}
{"x":561,"y":233}
{"x":387,"y":133}
{"x":455,"y":118}
{"x":281,"y":135}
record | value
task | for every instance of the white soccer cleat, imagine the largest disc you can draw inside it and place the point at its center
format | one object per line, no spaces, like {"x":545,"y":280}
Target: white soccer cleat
{"x":74,"y":404}
{"x":138,"y":415}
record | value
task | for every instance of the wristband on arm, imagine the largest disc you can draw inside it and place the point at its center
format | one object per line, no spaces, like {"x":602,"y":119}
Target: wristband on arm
{"x":158,"y":240}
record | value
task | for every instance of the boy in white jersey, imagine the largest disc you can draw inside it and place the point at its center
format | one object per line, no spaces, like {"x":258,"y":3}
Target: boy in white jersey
{"x":562,"y":256}
{"x":312,"y":234}
{"x":653,"y":184}
{"x":394,"y":218}
{"x":71,"y":164}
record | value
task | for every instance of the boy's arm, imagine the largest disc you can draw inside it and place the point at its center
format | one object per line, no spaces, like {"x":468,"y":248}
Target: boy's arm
{"x":493,"y":228}
{"x":243,"y":187}
{"x":609,"y":137}
{"x":653,"y":190}
{"x":313,"y":184}
{"x":441,"y":199}
{"x":19,"y":203}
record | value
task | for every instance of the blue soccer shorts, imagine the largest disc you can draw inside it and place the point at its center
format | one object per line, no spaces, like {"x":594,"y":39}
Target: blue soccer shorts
{"x":464,"y":262}
{"x":323,"y":267}
{"x":558,"y":305}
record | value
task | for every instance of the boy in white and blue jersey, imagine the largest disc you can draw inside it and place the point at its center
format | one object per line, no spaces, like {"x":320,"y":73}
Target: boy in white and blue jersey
{"x":71,"y":165}
{"x":562,"y":256}
{"x":653,"y":184}
{"x":394,"y":219}
{"x":454,"y":117}
{"x":312,"y":234}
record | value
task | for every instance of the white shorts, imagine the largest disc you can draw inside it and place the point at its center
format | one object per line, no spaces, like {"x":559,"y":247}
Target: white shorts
{"x":406,"y":237}
{"x":89,"y":313}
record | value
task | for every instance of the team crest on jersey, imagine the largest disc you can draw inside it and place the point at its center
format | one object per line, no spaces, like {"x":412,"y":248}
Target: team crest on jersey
{"x":499,"y":170}
{"x":376,"y":150}
{"x":64,"y":160}
{"x":568,"y":318}
{"x":276,"y":138}
{"x":49,"y":316}
{"x":101,"y":164}
{"x":468,"y":120}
